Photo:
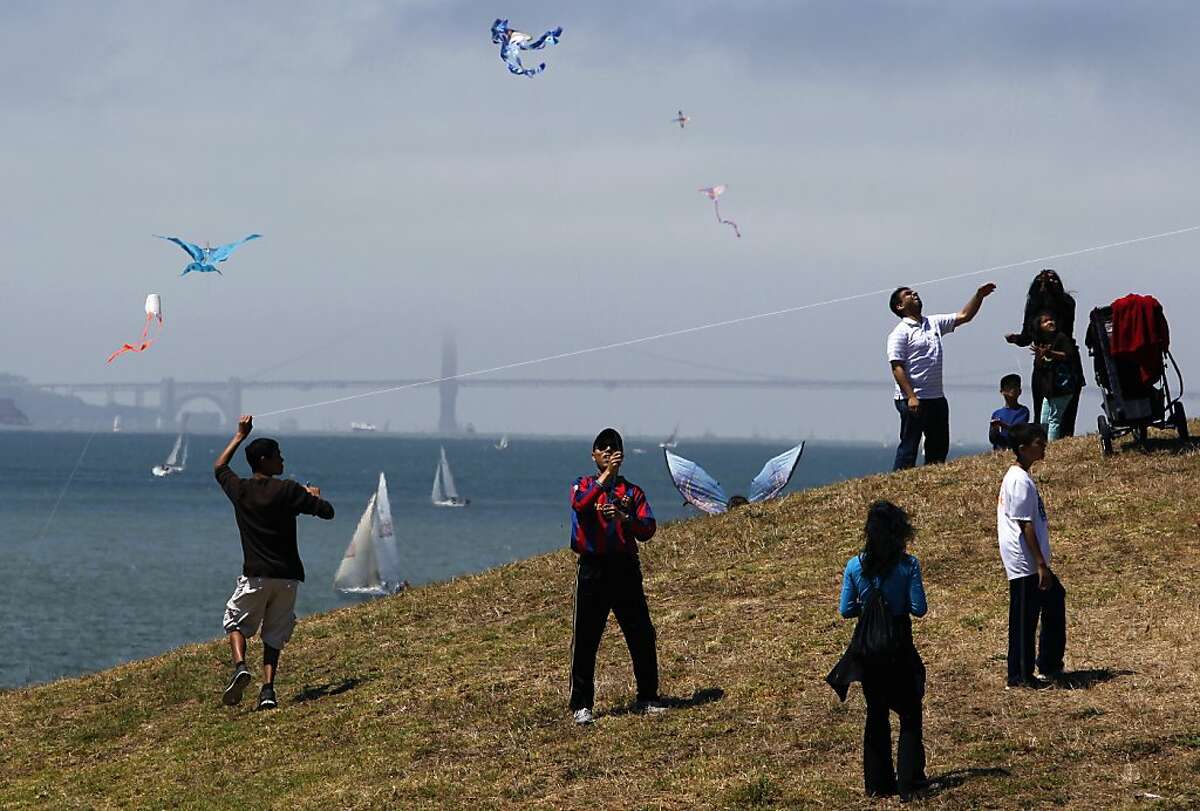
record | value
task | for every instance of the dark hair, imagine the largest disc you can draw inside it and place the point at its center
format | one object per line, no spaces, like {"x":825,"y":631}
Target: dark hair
{"x":1055,"y":288}
{"x":1023,"y":434}
{"x":1012,"y":381}
{"x":737,"y":501}
{"x":894,"y":301}
{"x":1054,"y":298}
{"x":886,"y":531}
{"x":608,"y":438}
{"x":260,"y":449}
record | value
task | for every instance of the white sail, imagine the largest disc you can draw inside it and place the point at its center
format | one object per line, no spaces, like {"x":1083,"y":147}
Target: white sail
{"x":448,"y":479}
{"x":503,"y":443}
{"x":176,"y":460}
{"x":387,"y":555}
{"x":438,"y":494}
{"x":359,"y":571}
{"x":173,"y":458}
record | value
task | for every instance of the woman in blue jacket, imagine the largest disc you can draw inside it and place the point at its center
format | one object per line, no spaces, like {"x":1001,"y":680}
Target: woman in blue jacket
{"x":896,"y":684}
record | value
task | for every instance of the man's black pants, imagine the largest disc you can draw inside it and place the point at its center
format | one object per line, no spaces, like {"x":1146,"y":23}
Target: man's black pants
{"x":933,"y":420}
{"x":1026,"y":603}
{"x":604,"y":584}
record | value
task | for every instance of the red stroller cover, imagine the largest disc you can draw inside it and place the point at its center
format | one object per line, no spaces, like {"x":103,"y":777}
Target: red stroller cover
{"x":1140,"y":335}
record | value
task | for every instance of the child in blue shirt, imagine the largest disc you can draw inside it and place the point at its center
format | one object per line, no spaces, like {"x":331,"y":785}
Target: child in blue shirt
{"x":1012,"y":414}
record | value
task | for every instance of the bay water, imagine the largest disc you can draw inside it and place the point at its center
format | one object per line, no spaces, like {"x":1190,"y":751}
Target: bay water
{"x":129,"y":565}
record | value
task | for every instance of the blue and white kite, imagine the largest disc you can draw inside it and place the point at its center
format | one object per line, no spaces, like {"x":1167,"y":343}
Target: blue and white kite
{"x":206,"y":259}
{"x":703,"y":492}
{"x":512,"y":42}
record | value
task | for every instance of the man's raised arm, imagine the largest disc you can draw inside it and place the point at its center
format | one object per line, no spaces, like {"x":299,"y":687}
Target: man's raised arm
{"x":972,"y":306}
{"x":245,"y":426}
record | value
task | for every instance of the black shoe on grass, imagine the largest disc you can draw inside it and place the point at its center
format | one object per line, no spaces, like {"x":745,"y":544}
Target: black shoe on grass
{"x":237,"y":685}
{"x":266,"y":698}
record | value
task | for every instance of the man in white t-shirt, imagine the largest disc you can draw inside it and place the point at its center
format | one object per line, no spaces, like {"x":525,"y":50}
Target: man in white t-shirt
{"x":914,"y":350}
{"x":1033,"y":590}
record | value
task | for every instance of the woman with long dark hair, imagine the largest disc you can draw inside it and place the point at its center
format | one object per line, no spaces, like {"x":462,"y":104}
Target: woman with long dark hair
{"x":1047,"y":294}
{"x":896,"y":682}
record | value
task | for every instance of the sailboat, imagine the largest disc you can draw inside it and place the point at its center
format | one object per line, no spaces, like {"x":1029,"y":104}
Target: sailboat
{"x":502,"y":445}
{"x":671,"y":441}
{"x":444,"y":493}
{"x":371,"y":565}
{"x":176,"y":461}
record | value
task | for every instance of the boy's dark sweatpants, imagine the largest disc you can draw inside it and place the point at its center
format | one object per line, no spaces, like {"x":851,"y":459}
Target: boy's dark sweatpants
{"x":604,"y":584}
{"x":1026,"y":603}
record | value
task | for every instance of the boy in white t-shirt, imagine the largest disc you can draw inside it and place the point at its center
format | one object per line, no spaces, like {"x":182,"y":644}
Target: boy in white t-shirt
{"x":1033,"y":590}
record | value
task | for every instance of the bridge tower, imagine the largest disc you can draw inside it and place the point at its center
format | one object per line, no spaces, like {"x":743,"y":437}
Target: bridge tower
{"x":448,"y":389}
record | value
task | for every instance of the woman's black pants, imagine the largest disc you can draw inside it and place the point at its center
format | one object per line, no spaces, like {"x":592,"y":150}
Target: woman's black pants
{"x":897,"y":687}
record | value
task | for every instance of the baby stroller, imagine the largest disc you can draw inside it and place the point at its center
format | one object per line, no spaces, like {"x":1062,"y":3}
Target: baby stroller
{"x":1131,"y":371}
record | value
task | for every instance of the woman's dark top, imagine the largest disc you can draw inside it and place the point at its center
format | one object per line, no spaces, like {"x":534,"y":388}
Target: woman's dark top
{"x":1061,"y":304}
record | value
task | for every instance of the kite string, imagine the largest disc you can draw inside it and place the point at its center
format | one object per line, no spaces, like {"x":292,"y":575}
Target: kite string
{"x":41,"y":536}
{"x":66,"y":486}
{"x":724,"y":323}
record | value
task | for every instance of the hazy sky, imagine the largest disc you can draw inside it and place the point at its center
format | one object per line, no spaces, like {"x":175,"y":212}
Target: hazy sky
{"x":405,"y":183}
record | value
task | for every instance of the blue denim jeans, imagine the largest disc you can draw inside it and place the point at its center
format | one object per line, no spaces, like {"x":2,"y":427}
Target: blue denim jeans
{"x":932,"y":421}
{"x":1054,"y":412}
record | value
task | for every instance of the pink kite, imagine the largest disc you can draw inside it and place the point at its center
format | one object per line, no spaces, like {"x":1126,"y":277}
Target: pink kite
{"x":153,"y":313}
{"x":713,"y":193}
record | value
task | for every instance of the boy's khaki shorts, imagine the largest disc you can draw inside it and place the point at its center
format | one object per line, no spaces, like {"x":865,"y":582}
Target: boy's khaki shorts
{"x":266,"y":601}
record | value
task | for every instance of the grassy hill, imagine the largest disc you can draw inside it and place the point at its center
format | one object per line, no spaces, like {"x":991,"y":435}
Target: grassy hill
{"x":454,"y":695}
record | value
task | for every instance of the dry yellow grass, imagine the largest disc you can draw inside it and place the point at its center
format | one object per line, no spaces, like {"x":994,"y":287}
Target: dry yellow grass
{"x":454,"y":695}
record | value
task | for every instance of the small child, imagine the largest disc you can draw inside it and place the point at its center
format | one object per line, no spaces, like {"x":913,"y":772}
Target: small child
{"x":609,"y":517}
{"x":1055,"y":364}
{"x":265,"y":595}
{"x":1012,"y":414}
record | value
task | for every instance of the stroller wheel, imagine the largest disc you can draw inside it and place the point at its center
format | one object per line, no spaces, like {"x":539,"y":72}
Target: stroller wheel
{"x":1106,"y":440}
{"x":1180,"y":420}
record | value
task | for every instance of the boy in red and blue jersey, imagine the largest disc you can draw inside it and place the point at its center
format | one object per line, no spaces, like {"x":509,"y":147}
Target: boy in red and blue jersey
{"x":609,"y":517}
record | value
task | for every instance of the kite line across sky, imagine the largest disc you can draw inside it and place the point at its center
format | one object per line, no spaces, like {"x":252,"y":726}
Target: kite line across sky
{"x":574,"y":353}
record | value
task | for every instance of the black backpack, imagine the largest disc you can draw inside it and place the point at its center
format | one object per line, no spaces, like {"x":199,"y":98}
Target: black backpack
{"x":876,"y":631}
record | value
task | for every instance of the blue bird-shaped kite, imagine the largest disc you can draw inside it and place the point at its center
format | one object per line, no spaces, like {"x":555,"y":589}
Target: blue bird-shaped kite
{"x":206,"y":259}
{"x":512,"y":42}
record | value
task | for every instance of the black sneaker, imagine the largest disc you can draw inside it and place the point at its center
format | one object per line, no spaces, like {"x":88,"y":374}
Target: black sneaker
{"x":266,"y":698}
{"x":1030,"y":683}
{"x":237,"y":685}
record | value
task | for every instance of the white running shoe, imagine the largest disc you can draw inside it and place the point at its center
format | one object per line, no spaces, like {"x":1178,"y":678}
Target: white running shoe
{"x":583,"y":716}
{"x":651,"y":707}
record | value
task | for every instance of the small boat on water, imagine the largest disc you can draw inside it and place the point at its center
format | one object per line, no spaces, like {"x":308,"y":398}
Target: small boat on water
{"x":363,"y":427}
{"x":445,"y":494}
{"x":117,"y":424}
{"x":176,"y":461}
{"x":671,"y":441}
{"x":371,"y":565}
{"x":502,"y":445}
